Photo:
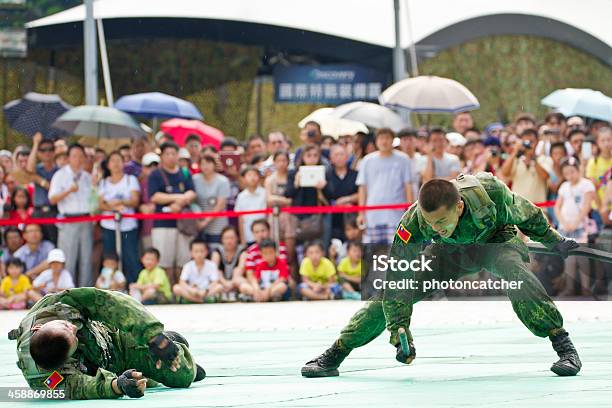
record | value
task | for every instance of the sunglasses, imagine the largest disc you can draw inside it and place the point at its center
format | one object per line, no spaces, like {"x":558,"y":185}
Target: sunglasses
{"x":46,"y":149}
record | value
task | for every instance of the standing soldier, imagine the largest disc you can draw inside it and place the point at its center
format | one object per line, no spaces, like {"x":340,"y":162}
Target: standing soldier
{"x":103,"y":344}
{"x":472,"y":221}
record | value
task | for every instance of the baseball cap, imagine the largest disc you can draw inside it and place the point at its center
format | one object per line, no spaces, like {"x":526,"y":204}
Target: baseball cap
{"x":455,"y":139}
{"x":150,"y":158}
{"x":575,"y":121}
{"x":56,"y":255}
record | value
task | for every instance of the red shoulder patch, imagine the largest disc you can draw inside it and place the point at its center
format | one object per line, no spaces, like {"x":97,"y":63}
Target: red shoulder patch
{"x":403,"y":234}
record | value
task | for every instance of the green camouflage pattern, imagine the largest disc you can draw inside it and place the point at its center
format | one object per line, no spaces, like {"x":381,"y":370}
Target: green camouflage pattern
{"x":467,"y":251}
{"x":113,"y":332}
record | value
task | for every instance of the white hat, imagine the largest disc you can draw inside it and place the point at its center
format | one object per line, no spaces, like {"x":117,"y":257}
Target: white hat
{"x":150,"y":158}
{"x":575,"y":121}
{"x":184,"y":154}
{"x":455,"y":139}
{"x":56,"y":255}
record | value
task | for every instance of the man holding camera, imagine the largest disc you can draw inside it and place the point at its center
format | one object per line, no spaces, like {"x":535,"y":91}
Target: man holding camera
{"x":527,"y":171}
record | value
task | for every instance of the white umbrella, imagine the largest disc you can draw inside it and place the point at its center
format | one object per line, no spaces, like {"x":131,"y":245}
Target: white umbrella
{"x":370,"y":114}
{"x":429,"y":94}
{"x":331,"y":125}
{"x":583,"y":102}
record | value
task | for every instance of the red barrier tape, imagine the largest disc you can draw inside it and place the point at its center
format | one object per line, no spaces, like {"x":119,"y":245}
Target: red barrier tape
{"x":172,"y":216}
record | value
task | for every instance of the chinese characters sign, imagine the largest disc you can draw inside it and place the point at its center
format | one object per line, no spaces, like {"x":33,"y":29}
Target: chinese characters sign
{"x":330,"y":84}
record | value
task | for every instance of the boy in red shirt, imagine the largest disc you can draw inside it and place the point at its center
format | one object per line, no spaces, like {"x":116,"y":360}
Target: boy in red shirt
{"x":269,"y":279}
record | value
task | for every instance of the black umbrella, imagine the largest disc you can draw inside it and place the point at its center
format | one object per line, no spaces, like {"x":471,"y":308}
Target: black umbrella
{"x":36,"y":113}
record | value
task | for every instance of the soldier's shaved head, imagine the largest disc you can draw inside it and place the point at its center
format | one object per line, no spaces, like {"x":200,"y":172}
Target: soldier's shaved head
{"x":52,"y":344}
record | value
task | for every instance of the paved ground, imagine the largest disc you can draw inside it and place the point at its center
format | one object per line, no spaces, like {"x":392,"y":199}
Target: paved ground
{"x":469,"y":354}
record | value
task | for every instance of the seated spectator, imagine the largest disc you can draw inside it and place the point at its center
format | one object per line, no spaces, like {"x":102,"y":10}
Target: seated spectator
{"x":152,"y":286}
{"x":349,"y":272}
{"x":572,"y":208}
{"x":110,"y":276}
{"x":52,"y":280}
{"x":15,"y":286}
{"x":230,"y":258}
{"x":253,"y":197}
{"x":20,"y":208}
{"x":269,"y":281}
{"x":351,"y":232}
{"x":35,"y":251}
{"x":318,"y":275}
{"x":12,"y":242}
{"x":261,"y":230}
{"x":212,"y":190}
{"x":200,"y":279}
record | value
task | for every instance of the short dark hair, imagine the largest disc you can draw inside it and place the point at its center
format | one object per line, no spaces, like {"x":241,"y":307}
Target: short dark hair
{"x":385,"y":131}
{"x":575,"y":131}
{"x":247,"y":169}
{"x":570,"y":161}
{"x":229,"y":141}
{"x":525,"y":116}
{"x":529,"y":132}
{"x":49,"y":349}
{"x":197,"y":241}
{"x":168,"y":145}
{"x":46,"y":141}
{"x":152,"y":251}
{"x":124,"y":147}
{"x":208,"y":158}
{"x":281,"y":153}
{"x":267,"y":243}
{"x":558,"y":145}
{"x":15,"y":262}
{"x":355,"y":244}
{"x":255,"y":136}
{"x":407,"y":132}
{"x":313,"y":123}
{"x":191,"y":137}
{"x":438,"y":193}
{"x":75,"y":146}
{"x":557,"y":115}
{"x":110,"y":256}
{"x":228,"y":228}
{"x":315,"y":243}
{"x":261,"y":221}
{"x":9,"y":230}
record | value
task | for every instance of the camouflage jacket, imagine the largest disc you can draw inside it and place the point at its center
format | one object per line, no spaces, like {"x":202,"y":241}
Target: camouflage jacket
{"x":110,"y":324}
{"x":508,"y":212}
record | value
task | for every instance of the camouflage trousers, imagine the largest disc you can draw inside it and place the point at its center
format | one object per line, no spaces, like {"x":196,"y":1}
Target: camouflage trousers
{"x":508,"y":260}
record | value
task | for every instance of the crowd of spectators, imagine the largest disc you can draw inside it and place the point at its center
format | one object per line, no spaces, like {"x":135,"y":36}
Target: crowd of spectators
{"x":255,"y":257}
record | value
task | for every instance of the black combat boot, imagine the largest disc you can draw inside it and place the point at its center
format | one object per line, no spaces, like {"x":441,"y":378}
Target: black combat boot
{"x":326,"y":365}
{"x":177,"y":337}
{"x":569,"y":363}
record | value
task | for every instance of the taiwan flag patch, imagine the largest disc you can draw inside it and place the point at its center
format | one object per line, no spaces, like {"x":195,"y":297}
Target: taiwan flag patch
{"x":54,"y":380}
{"x":403,"y":234}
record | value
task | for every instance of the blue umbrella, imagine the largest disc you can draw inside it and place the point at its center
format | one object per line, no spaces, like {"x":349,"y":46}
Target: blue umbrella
{"x":158,"y":105}
{"x":582,"y":102}
{"x":36,"y":113}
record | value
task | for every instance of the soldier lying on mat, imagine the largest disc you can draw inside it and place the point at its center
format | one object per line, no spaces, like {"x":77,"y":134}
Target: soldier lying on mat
{"x":102,"y":344}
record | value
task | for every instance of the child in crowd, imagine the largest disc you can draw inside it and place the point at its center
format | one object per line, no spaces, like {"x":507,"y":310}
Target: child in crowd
{"x":152,"y":286}
{"x":200,"y":279}
{"x":253,"y":197}
{"x":352,"y":233}
{"x":110,"y":275}
{"x":270,"y":279}
{"x":572,"y":208}
{"x":15,"y":286}
{"x":54,"y":279}
{"x":349,"y":272}
{"x":318,"y":275}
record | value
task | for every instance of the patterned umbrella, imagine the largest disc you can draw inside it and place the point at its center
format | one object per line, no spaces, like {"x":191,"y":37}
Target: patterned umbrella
{"x":179,"y":129}
{"x":100,"y":122}
{"x":36,"y":113}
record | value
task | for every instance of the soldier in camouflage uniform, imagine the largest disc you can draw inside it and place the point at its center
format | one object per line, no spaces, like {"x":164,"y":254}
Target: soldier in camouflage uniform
{"x":115,"y":346}
{"x":472,"y":222}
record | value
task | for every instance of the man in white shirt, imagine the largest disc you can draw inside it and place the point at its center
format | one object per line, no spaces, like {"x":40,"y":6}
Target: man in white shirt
{"x":70,"y":190}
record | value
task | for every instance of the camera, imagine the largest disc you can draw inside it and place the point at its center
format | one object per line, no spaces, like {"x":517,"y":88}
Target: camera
{"x":311,"y":134}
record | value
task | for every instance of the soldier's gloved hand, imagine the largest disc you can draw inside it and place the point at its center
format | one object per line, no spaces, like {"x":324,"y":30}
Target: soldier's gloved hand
{"x":563,"y":247}
{"x":164,"y":349}
{"x":403,"y":358}
{"x":132,"y":383}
